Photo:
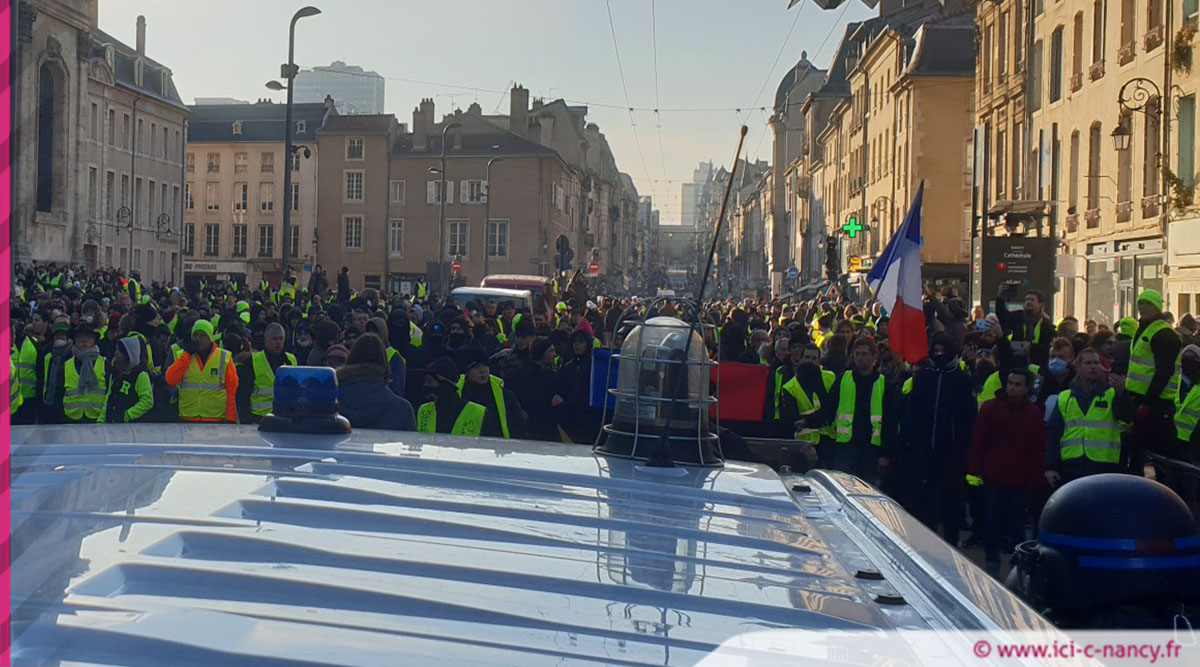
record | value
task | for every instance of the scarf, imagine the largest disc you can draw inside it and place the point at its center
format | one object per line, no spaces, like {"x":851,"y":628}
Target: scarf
{"x":58,"y":356}
{"x":88,"y":382}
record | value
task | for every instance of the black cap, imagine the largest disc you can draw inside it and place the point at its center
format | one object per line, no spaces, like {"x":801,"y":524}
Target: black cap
{"x":443,"y":367}
{"x":471,"y":356}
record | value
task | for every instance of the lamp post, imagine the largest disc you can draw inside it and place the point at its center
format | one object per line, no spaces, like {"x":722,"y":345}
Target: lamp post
{"x":288,"y":72}
{"x":1142,"y":95}
{"x":487,"y":212}
{"x":443,"y":278}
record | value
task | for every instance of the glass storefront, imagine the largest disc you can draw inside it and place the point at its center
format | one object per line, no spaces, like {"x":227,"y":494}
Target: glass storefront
{"x":1114,"y":283}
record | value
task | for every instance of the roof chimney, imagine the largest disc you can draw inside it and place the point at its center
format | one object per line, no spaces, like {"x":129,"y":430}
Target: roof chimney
{"x":141,"y":35}
{"x":422,"y":124}
{"x":518,"y":114}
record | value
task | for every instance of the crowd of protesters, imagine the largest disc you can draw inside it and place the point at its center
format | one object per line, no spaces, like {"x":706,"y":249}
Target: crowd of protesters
{"x":1005,"y":407}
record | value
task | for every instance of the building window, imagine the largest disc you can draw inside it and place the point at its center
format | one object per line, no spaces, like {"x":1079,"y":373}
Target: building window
{"x":1093,"y":172}
{"x":138,"y":199}
{"x":1099,"y":16}
{"x":189,"y":201}
{"x":239,"y":240}
{"x":154,"y":139}
{"x":1073,"y":185}
{"x":457,"y":241}
{"x":295,"y":196}
{"x":266,"y":240}
{"x":497,"y":238}
{"x":301,"y":127}
{"x":140,"y":138}
{"x":267,"y":163}
{"x":110,"y":194}
{"x":174,"y":198}
{"x":125,"y":132}
{"x":1150,"y":149}
{"x":240,"y":162}
{"x":353,"y":227}
{"x":432,"y":196}
{"x":1001,"y":154}
{"x":137,"y":258}
{"x":162,"y":201}
{"x":354,"y":148}
{"x":1186,"y":150}
{"x":212,"y":193}
{"x":191,"y":163}
{"x":163,"y":145}
{"x":354,"y":186}
{"x":212,"y":240}
{"x":124,"y":189}
{"x":473,"y":192}
{"x":1077,"y":51}
{"x":214,"y":163}
{"x":108,"y":256}
{"x":1125,"y":167}
{"x":94,"y":123}
{"x":1035,"y":64}
{"x":396,"y":238}
{"x":294,"y":241}
{"x":51,"y":137}
{"x":295,"y":162}
{"x":93,"y":191}
{"x":241,"y":196}
{"x":396,"y":190}
{"x":150,"y":208}
{"x":112,"y":127}
{"x":1056,"y":65}
{"x":189,"y":240}
{"x":266,"y":197}
{"x":1017,"y":142}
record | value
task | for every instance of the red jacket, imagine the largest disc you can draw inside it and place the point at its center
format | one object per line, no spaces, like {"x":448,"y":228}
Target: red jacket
{"x":1007,"y":444}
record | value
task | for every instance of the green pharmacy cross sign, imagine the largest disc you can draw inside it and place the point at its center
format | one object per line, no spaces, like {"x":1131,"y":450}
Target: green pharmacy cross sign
{"x":852,"y":227}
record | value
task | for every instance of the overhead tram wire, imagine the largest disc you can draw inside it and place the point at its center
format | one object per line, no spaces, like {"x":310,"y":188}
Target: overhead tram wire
{"x":621,"y":71}
{"x":657,"y":118}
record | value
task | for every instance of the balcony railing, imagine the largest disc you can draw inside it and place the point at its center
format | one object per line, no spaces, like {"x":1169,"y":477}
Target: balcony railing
{"x":1124,"y":211}
{"x":1092,"y":218}
{"x":1072,"y":221}
{"x":1153,"y":38}
{"x":1150,"y":206}
{"x":1076,"y":81}
{"x":1126,"y":53}
{"x":1096,"y":70}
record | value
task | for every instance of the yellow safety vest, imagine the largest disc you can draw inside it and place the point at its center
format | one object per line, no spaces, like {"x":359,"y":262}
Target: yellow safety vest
{"x":422,"y":290}
{"x":497,"y":394}
{"x":80,"y":406}
{"x":469,"y":421}
{"x":844,"y":422}
{"x":778,"y":376}
{"x":14,"y":389}
{"x":1187,"y":414}
{"x":415,"y":334}
{"x":391,"y":354}
{"x":1094,"y":434}
{"x":1141,"y":364}
{"x":26,"y":372}
{"x":202,"y":392}
{"x":805,"y":405}
{"x":263,"y":396}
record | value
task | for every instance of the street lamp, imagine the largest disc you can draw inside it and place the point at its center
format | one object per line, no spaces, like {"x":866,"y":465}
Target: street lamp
{"x":288,"y":72}
{"x":443,"y":278}
{"x":487,"y":212}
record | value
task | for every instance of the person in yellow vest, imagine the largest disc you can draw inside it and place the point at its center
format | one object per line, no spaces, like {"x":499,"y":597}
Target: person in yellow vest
{"x":806,"y":392}
{"x":863,"y":414}
{"x":288,"y":286}
{"x":1151,"y":380}
{"x":1187,"y":436}
{"x":256,"y":376}
{"x":14,"y":388}
{"x":81,"y":379}
{"x":478,"y":385}
{"x":206,"y":378}
{"x":444,"y":410}
{"x":1031,"y":326}
{"x":1083,"y":431}
{"x":130,"y":393}
{"x":422,"y":290}
{"x":25,"y":359}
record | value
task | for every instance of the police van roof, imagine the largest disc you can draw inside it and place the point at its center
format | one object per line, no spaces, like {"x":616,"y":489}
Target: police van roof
{"x":199,"y":543}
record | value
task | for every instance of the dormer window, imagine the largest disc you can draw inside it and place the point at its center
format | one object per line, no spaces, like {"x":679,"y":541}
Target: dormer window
{"x":237,"y":128}
{"x":165,"y":83}
{"x":138,"y":68}
{"x":301,"y":126}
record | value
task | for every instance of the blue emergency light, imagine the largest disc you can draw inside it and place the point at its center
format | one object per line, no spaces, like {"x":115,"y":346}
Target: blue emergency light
{"x":306,"y":401}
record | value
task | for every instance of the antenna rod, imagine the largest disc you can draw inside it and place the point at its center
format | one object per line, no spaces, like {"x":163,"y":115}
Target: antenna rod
{"x":720,"y":219}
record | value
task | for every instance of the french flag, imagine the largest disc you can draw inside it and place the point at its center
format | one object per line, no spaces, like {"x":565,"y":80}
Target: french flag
{"x":896,"y":281}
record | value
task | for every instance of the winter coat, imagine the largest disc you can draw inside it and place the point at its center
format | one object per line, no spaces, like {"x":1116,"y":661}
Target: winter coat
{"x":937,"y":424}
{"x":1008,"y":444}
{"x":367,"y":402}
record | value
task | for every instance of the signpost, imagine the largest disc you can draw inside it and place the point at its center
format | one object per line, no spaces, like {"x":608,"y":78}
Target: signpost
{"x":456,"y":266}
{"x":852,"y":226}
{"x":1012,"y":265}
{"x":793,"y":273}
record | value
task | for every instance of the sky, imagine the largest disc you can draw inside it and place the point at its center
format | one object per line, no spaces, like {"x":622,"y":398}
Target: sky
{"x":696,"y":61}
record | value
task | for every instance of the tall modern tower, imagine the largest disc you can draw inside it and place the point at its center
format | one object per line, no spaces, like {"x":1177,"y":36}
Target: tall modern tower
{"x":354,"y":90}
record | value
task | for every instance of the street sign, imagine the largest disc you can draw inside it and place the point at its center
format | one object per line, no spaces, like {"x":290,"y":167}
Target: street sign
{"x":855,"y":263}
{"x":456,"y":266}
{"x":594,"y":269}
{"x":866,"y":263}
{"x":852,"y":226}
{"x":793,"y":273}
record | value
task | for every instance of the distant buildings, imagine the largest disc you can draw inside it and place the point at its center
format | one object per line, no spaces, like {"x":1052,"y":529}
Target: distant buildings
{"x":692,"y":194}
{"x":98,"y":141}
{"x":354,"y":90}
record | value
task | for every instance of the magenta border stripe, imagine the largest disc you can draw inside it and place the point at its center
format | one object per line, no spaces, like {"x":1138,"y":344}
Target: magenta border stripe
{"x":6,"y":44}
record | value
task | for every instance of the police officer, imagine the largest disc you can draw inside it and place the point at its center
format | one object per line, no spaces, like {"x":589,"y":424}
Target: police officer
{"x":206,"y":378}
{"x":130,"y":392}
{"x":256,"y":376}
{"x":1083,"y":432}
{"x":1151,"y":381}
{"x":445,"y":411}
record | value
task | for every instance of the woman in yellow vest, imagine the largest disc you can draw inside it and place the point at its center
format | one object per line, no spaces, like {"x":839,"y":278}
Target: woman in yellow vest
{"x":83,"y":379}
{"x":206,"y":378}
{"x":445,"y":411}
{"x":1083,"y":432}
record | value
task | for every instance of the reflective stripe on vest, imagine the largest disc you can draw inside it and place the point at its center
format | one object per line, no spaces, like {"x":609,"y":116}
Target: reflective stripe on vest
{"x":844,"y":422}
{"x":805,"y":405}
{"x":392,"y":353}
{"x":497,"y":395}
{"x":1094,"y":434}
{"x":263,"y":396}
{"x":469,"y":421}
{"x":1187,"y":415}
{"x":14,"y":389}
{"x":27,"y":368}
{"x":778,"y":375}
{"x":202,"y":392}
{"x":1141,"y":364}
{"x":77,"y":404}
